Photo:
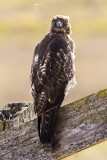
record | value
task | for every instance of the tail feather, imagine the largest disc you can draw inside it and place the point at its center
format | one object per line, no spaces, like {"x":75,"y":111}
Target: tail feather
{"x":46,"y":122}
{"x":45,"y":127}
{"x":39,"y":122}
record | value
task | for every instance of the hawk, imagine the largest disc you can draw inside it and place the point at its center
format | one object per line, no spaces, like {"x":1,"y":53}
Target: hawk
{"x":52,"y":75}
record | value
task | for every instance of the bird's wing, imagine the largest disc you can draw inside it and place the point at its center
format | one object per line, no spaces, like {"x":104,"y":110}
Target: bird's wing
{"x":55,"y":69}
{"x":34,"y":68}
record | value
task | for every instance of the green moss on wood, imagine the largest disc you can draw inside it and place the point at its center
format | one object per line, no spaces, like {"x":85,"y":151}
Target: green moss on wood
{"x":104,"y":117}
{"x":1,"y":126}
{"x":102,"y":93}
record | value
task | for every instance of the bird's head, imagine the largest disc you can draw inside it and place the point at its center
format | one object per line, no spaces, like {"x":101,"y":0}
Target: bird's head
{"x":60,"y":24}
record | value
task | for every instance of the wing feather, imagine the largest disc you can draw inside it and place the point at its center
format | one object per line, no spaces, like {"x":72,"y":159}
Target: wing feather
{"x":51,"y":72}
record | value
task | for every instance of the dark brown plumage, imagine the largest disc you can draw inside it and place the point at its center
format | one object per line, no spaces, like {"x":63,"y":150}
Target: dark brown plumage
{"x":52,"y":75}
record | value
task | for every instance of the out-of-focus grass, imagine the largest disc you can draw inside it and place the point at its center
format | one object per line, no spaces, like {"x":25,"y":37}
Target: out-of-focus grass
{"x":87,"y":17}
{"x":94,"y":26}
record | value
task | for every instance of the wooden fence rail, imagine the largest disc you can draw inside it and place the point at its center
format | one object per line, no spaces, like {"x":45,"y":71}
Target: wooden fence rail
{"x":79,"y":125}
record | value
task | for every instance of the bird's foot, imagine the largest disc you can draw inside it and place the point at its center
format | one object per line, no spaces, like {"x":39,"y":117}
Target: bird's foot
{"x":47,"y":147}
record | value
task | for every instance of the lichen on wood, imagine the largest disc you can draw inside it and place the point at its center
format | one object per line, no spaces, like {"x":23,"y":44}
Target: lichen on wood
{"x":79,"y":125}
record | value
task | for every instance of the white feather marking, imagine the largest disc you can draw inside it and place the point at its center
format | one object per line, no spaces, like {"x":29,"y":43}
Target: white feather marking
{"x":42,"y":93}
{"x":36,"y":58}
{"x":32,"y":89}
{"x":33,"y":86}
{"x":72,"y":53}
{"x":49,"y":100}
{"x":57,"y":53}
{"x":43,"y":69}
{"x":71,"y":84}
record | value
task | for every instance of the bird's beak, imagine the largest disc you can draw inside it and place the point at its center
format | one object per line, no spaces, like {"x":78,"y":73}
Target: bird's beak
{"x":59,"y":24}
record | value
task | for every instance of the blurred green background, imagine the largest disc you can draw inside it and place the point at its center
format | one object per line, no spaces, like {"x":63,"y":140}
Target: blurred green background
{"x":23,"y":25}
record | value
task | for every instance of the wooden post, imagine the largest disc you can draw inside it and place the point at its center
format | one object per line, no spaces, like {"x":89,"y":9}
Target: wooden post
{"x":79,"y":125}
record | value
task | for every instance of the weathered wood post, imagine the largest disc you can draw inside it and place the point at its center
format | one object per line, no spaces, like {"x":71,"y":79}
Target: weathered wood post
{"x":80,"y":124}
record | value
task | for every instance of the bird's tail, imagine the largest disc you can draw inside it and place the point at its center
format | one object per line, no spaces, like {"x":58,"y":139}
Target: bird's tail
{"x":45,"y":127}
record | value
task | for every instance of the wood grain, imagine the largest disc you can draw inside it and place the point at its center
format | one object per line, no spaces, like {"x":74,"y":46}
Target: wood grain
{"x":79,"y":125}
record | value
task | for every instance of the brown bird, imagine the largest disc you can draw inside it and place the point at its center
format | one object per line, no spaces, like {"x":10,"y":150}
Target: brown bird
{"x":52,"y":75}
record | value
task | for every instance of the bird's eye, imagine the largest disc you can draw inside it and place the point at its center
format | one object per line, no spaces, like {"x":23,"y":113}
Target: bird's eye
{"x":59,"y":24}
